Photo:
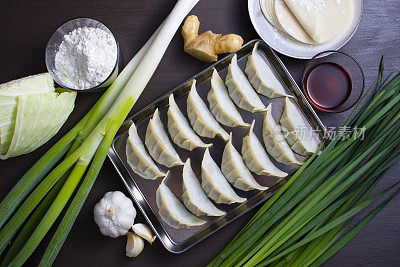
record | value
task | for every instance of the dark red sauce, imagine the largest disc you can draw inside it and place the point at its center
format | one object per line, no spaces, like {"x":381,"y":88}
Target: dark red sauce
{"x":328,"y":85}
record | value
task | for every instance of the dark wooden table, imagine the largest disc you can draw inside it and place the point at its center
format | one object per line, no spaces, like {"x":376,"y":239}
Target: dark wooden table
{"x":25,"y":27}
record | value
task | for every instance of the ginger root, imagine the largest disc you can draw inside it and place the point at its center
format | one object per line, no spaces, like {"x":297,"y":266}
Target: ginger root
{"x":207,"y":45}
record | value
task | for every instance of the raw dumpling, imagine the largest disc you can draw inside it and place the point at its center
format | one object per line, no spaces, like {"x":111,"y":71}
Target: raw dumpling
{"x":138,"y":158}
{"x":180,"y":130}
{"x":201,"y":119}
{"x":215,"y":184}
{"x":172,"y":211}
{"x":299,"y":135}
{"x":275,"y":142}
{"x":221,"y":105}
{"x":159,"y":145}
{"x":194,"y":198}
{"x":235,"y":170}
{"x":240,"y":90}
{"x":261,"y":76}
{"x":256,"y":158}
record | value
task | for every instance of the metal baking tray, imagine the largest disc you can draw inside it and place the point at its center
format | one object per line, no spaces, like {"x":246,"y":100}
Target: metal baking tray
{"x":144,"y":191}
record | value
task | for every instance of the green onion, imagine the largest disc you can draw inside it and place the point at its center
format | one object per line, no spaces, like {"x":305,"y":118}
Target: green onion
{"x":88,"y":143}
{"x":32,"y":223}
{"x":303,"y":222}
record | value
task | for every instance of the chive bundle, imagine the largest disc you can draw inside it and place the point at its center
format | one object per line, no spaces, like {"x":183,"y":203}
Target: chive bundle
{"x":310,"y":218}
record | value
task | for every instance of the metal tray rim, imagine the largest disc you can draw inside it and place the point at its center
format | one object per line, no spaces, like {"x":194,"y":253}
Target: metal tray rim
{"x":141,"y":201}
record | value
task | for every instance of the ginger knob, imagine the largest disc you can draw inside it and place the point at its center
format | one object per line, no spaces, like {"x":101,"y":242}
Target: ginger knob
{"x":190,"y":29}
{"x":228,"y":43}
{"x":207,"y":45}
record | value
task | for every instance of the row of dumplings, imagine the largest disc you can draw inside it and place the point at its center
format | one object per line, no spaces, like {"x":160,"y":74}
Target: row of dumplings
{"x":235,"y":168}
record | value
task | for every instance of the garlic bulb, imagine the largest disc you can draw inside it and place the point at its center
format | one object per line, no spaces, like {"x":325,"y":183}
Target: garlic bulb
{"x":134,"y":245}
{"x":114,"y":214}
{"x":144,"y":231}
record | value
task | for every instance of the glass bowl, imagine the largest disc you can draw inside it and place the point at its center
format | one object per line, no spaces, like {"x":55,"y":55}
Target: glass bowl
{"x":55,"y":41}
{"x":349,"y":68}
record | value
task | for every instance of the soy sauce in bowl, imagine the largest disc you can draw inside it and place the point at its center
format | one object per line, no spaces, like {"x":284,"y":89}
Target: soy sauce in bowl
{"x":328,"y":85}
{"x":333,"y":81}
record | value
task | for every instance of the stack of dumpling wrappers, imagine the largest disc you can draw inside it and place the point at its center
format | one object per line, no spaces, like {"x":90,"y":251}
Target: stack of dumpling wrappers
{"x":310,"y":21}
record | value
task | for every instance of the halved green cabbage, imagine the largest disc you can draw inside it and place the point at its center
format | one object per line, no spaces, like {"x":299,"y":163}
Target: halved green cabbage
{"x":31,"y":112}
{"x":35,"y":84}
{"x":8,"y":113}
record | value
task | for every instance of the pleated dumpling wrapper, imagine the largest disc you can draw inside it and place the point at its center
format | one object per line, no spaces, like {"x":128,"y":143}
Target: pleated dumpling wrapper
{"x":275,"y":142}
{"x":201,"y":119}
{"x":172,"y":211}
{"x":179,"y":129}
{"x":262,"y":77}
{"x":138,"y":158}
{"x":256,"y":158}
{"x":221,"y":105}
{"x":235,"y":170}
{"x":215,"y":184}
{"x":299,"y":135}
{"x":159,"y":145}
{"x":194,"y":198}
{"x":240,"y":89}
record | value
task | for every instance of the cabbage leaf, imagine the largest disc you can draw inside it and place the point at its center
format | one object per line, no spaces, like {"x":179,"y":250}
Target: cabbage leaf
{"x":31,"y":112}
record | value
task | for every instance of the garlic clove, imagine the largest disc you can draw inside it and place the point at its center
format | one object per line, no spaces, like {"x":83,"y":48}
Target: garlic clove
{"x":144,"y":231}
{"x":134,"y":245}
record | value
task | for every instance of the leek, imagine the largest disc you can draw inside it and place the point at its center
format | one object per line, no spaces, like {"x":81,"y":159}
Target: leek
{"x":89,"y":142}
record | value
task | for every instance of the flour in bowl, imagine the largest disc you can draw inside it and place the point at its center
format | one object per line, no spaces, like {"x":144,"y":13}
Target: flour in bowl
{"x":85,"y":58}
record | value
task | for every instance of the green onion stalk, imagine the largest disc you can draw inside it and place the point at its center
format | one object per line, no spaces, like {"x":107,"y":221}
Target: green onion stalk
{"x":310,"y":218}
{"x":53,"y":179}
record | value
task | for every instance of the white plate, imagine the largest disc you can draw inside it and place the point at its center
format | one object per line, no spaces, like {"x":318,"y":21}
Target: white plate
{"x":293,"y":48}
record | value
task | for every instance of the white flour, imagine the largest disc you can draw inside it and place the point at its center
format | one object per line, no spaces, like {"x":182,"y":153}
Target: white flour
{"x":315,"y":5}
{"x":85,"y":58}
